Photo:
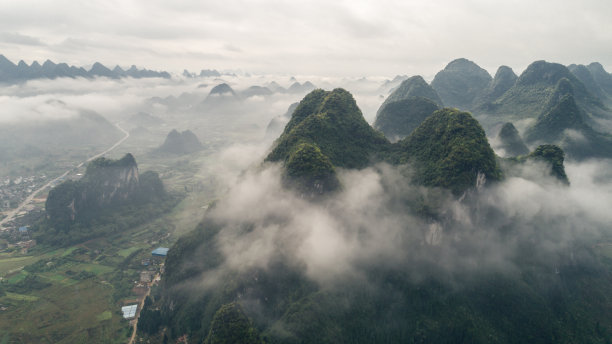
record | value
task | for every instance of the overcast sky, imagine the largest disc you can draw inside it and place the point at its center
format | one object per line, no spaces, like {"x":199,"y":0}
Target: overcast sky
{"x":316,"y":37}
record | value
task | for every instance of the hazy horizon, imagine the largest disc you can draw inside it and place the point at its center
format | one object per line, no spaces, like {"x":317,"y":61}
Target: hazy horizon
{"x":349,"y":39}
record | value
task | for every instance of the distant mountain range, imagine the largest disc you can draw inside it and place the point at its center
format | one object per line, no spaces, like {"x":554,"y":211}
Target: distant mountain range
{"x":566,"y":104}
{"x":14,"y":73}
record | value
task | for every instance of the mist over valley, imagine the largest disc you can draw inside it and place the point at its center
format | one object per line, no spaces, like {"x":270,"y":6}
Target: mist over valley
{"x":309,"y":173}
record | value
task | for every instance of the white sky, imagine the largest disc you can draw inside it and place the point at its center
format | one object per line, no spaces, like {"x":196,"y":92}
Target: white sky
{"x":313,"y":37}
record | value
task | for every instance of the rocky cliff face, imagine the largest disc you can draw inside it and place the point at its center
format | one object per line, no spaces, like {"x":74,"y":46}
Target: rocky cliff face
{"x":106,"y":184}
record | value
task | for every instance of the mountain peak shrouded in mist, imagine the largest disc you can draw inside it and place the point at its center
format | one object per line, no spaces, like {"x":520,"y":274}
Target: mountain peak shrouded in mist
{"x":603,"y":78}
{"x":460,"y":83}
{"x":11,"y":73}
{"x":253,"y":91}
{"x":414,"y":86}
{"x":448,"y":149}
{"x":586,"y":77}
{"x":222,"y":90}
{"x":554,"y":156}
{"x":277,"y":124}
{"x":510,"y":141}
{"x":562,"y":114}
{"x":296,"y":87}
{"x":209,"y":73}
{"x":564,"y":123}
{"x":179,"y":143}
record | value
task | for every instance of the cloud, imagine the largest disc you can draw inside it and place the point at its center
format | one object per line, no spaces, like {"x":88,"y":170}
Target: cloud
{"x":315,"y":37}
{"x":376,"y":222}
{"x":17,"y":38}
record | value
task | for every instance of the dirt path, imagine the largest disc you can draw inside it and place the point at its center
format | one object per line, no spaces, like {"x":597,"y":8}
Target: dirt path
{"x":29,"y":199}
{"x":140,"y":305}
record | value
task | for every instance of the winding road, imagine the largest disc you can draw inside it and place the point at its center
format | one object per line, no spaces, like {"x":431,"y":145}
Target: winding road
{"x":10,"y":216}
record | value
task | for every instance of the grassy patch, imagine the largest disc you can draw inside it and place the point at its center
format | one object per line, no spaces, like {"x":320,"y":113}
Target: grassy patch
{"x":21,"y":297}
{"x":77,"y":313}
{"x":69,"y":251}
{"x":106,"y":315}
{"x":8,"y":264}
{"x":127,"y":251}
{"x":95,"y":268}
{"x":18,"y":277}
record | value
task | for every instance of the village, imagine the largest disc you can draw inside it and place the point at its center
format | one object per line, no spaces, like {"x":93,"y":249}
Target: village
{"x":14,"y":190}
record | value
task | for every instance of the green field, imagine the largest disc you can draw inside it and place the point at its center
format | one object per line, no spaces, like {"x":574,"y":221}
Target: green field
{"x":20,"y":297}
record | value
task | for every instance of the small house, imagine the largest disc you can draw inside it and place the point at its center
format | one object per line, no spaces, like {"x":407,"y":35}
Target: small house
{"x":160,"y":252}
{"x":129,"y":311}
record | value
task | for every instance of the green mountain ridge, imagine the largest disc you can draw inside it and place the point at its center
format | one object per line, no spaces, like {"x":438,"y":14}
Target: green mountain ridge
{"x":449,"y":149}
{"x":530,"y":94}
{"x":414,"y":86}
{"x":603,"y":78}
{"x":399,"y":118}
{"x":550,"y":125}
{"x":332,"y":122}
{"x":406,"y":108}
{"x":565,"y":124}
{"x":460,"y":83}
{"x":503,"y":80}
{"x":584,"y":75}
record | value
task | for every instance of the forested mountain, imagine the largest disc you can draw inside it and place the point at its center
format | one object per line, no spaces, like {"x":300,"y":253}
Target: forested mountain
{"x":503,"y":80}
{"x":414,"y":86}
{"x":450,"y":150}
{"x":533,"y":89}
{"x":564,"y":123}
{"x":406,"y":107}
{"x":399,"y":118}
{"x":603,"y":78}
{"x":406,"y":294}
{"x":333,"y":122}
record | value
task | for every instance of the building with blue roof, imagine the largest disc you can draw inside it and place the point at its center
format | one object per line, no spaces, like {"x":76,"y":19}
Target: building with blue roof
{"x":160,"y":252}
